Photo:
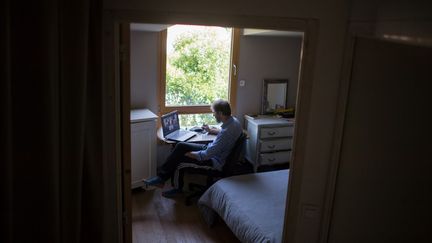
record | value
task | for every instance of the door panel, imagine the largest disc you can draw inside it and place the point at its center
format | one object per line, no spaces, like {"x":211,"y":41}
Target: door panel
{"x":383,"y":190}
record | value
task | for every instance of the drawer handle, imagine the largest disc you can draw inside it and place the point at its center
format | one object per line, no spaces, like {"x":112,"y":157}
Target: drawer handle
{"x":272,"y":159}
{"x":271,"y":133}
{"x":271,"y":146}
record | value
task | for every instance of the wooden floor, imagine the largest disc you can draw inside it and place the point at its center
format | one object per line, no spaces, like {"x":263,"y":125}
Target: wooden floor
{"x":159,"y":219}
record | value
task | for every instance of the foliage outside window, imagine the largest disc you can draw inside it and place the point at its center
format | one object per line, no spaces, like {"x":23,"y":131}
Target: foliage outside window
{"x":197,"y":66}
{"x":189,"y":120}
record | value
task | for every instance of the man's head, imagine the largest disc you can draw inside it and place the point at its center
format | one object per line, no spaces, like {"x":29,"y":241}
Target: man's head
{"x":221,"y":110}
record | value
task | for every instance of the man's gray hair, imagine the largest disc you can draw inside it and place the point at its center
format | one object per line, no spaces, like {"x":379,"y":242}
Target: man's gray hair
{"x":221,"y":106}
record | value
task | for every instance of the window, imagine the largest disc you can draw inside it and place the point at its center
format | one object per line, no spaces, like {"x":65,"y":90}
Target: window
{"x":198,"y":65}
{"x":189,"y":120}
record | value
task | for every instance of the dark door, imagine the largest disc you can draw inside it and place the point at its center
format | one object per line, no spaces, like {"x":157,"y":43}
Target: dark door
{"x":383,"y":190}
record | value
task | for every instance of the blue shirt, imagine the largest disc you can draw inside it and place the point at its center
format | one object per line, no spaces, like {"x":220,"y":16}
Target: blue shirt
{"x":220,"y":148}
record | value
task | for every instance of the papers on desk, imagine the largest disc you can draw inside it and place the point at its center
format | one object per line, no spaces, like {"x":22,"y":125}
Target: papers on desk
{"x":202,"y":138}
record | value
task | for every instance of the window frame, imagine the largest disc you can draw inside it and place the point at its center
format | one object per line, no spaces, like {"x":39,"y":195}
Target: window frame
{"x":198,"y":109}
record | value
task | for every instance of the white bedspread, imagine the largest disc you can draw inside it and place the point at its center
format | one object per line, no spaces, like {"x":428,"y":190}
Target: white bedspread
{"x":252,"y":205}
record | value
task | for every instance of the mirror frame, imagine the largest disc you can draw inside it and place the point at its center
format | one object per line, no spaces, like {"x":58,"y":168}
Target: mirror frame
{"x":264,"y":100}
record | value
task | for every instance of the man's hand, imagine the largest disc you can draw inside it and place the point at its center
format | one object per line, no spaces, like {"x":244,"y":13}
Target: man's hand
{"x":192,"y":155}
{"x":210,"y":130}
{"x":206,"y":127}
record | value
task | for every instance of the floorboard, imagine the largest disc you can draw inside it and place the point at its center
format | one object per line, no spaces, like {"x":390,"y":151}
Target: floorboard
{"x":159,"y":219}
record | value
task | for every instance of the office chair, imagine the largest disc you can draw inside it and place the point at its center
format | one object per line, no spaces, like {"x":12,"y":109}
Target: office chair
{"x":235,"y":164}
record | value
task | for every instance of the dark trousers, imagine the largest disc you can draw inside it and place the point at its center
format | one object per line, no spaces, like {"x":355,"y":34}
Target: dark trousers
{"x":177,"y":156}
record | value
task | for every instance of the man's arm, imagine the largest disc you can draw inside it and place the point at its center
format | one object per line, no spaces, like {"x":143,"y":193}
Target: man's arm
{"x":210,"y":130}
{"x":213,"y":149}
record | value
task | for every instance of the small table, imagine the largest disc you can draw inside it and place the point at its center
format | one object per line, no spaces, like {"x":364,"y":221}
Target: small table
{"x":199,"y":138}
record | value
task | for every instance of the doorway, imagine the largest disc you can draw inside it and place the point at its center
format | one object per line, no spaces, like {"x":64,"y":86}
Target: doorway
{"x":308,"y":27}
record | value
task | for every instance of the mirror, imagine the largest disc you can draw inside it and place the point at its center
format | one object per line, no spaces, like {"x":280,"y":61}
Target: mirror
{"x":274,"y":96}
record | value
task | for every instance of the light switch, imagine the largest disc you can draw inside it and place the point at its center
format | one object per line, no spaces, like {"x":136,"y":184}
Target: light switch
{"x":242,"y":83}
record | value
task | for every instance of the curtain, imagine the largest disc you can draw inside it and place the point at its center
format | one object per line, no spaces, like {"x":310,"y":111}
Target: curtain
{"x":51,"y":130}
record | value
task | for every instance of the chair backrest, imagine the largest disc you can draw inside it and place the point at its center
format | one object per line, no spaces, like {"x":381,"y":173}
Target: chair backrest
{"x":235,"y":163}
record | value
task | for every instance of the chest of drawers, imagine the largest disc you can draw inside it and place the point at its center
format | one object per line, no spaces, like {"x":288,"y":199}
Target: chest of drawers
{"x":270,"y":140}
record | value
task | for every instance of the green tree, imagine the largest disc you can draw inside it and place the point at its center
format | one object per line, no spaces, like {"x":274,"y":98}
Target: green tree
{"x":198,"y":69}
{"x":188,"y":120}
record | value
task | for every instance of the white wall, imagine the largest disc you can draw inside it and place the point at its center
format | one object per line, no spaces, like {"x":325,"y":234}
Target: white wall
{"x":144,"y":70}
{"x":144,"y":78}
{"x":264,"y":57}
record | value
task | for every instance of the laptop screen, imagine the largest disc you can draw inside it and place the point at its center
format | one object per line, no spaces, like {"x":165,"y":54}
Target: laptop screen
{"x":170,"y":123}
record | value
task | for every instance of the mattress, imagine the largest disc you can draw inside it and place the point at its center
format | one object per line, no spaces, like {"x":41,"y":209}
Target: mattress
{"x":252,"y":205}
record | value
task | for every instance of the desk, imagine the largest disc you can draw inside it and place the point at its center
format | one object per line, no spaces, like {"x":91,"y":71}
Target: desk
{"x":199,"y":138}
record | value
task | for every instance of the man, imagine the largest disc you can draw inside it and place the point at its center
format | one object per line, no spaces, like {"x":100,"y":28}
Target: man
{"x":212,"y":155}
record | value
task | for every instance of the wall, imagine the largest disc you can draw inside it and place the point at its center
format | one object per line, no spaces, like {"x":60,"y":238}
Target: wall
{"x":402,"y":17}
{"x":266,"y":57}
{"x":144,"y":70}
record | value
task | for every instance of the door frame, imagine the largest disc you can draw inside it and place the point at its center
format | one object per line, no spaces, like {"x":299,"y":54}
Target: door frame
{"x":343,"y":93}
{"x":354,"y":30}
{"x":118,"y":98}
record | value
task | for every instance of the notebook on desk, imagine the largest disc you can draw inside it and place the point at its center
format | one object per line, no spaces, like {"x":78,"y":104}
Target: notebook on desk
{"x":171,"y":128}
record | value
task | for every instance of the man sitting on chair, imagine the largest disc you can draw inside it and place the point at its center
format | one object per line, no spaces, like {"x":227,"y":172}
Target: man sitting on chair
{"x":210,"y":156}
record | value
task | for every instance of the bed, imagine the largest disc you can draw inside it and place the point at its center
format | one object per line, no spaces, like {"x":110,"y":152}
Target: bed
{"x":252,"y":205}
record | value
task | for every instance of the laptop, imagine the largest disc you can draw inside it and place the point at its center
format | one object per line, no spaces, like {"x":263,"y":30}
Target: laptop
{"x":171,"y":128}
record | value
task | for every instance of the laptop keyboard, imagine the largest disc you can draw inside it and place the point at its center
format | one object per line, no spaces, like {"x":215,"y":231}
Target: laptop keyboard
{"x":182,"y":133}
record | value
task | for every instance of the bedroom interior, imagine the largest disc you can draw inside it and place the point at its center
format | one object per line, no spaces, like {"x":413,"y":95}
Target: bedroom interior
{"x":362,"y":169}
{"x":265,"y":101}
